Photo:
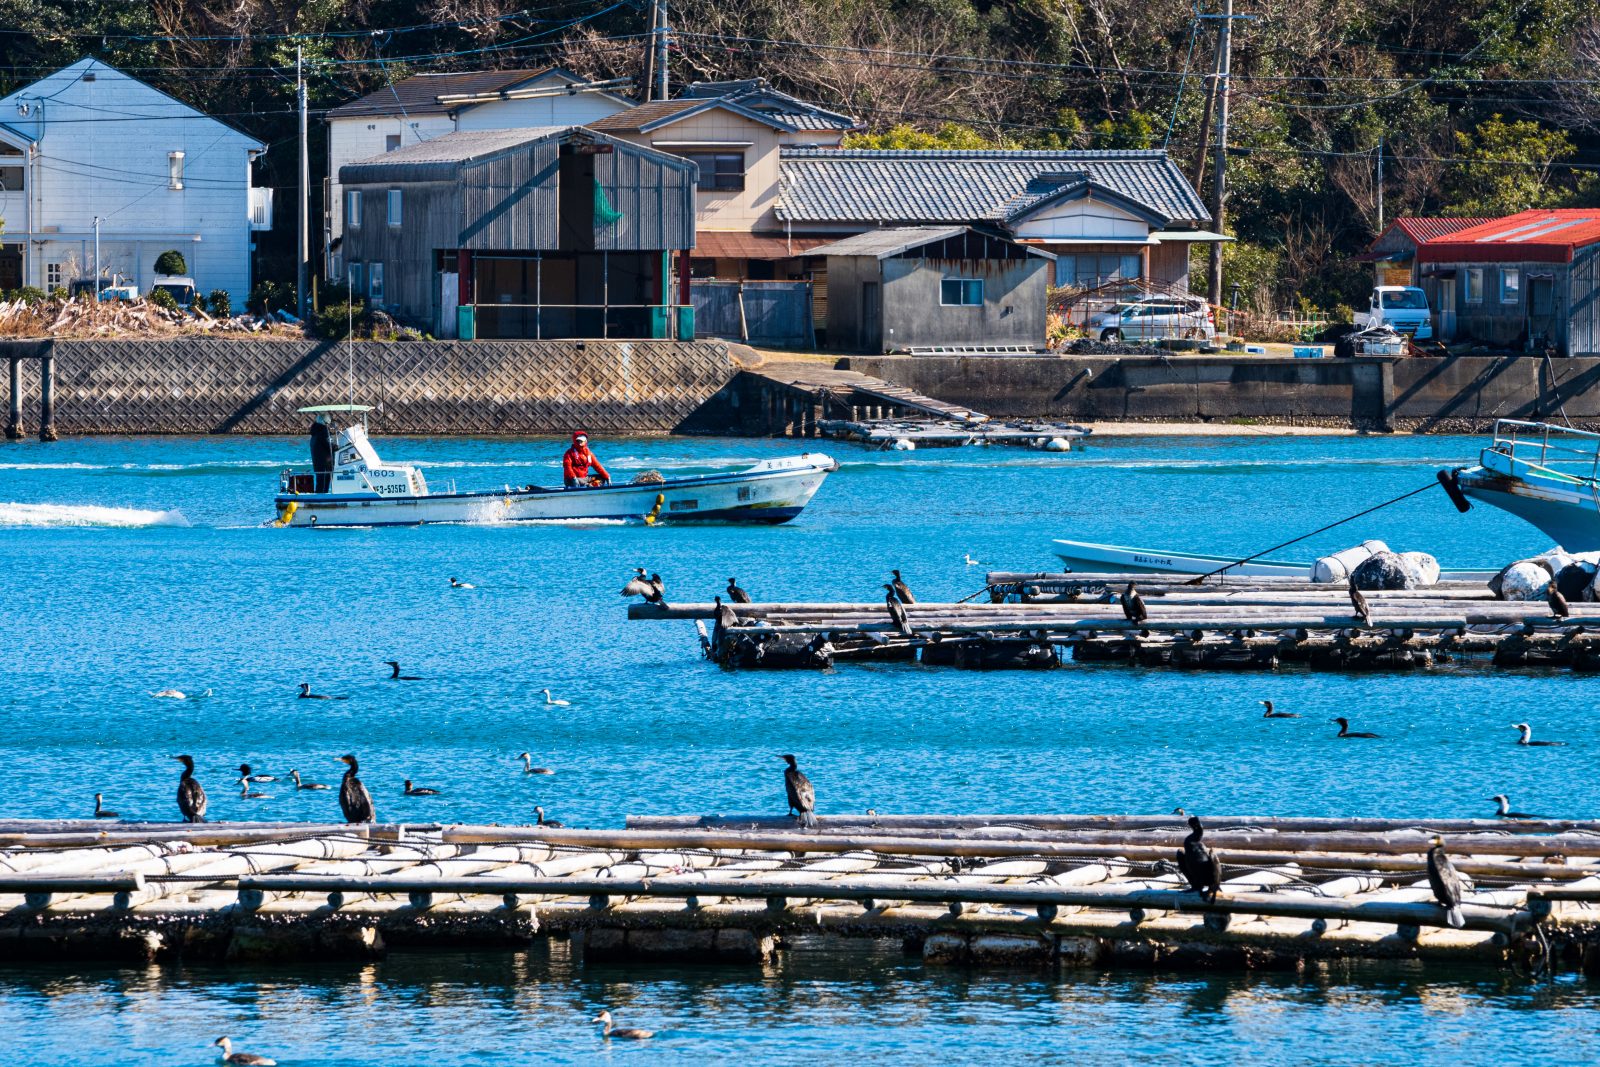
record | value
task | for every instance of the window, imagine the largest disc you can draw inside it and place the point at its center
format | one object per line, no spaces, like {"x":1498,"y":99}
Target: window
{"x":723,"y":171}
{"x":52,"y":275}
{"x":391,"y":142}
{"x":961,"y":292}
{"x":174,"y":170}
{"x":353,"y":279}
{"x":1406,"y":300}
{"x":1510,"y":285}
{"x":375,"y":285}
{"x":1092,"y":271}
{"x":352,"y":207}
{"x":1474,"y":283}
{"x":394,"y":207}
{"x":11,"y":170}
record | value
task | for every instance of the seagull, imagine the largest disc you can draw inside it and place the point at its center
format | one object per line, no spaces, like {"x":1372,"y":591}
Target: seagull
{"x":241,"y":1059}
{"x":395,"y":675}
{"x":735,"y":594}
{"x":1504,"y":809}
{"x":456,"y":584}
{"x":307,"y":694}
{"x":1270,"y":714}
{"x":554,"y":703}
{"x":1527,"y":737}
{"x":1133,"y":606}
{"x":1358,"y":602}
{"x":529,"y":768}
{"x":973,"y":562}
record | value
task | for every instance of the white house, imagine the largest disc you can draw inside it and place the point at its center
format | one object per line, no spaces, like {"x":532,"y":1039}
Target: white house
{"x":426,"y":106}
{"x":90,"y":143}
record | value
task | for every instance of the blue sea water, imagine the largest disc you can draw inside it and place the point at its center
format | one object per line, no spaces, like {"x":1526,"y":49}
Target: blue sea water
{"x":136,"y":565}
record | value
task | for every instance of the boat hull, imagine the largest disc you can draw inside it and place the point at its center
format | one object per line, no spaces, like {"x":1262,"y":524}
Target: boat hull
{"x":1088,"y":557}
{"x":1566,"y":514}
{"x":767,"y":494}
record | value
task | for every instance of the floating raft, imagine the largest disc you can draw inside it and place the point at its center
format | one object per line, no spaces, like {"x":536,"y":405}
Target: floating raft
{"x":1084,"y":890}
{"x":910,"y":434}
{"x":1030,"y":620}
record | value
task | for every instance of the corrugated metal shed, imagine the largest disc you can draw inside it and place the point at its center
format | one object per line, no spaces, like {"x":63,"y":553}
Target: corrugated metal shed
{"x":1539,"y":236}
{"x":1422,"y":229}
{"x":879,"y":185}
{"x":440,"y":158}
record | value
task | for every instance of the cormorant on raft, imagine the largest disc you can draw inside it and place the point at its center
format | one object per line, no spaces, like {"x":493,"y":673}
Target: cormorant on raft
{"x":901,"y":589}
{"x":1557,"y":602}
{"x":897,"y":612}
{"x":394,"y":672}
{"x":1446,"y":883}
{"x":354,"y":800}
{"x":1345,"y":731}
{"x":1504,"y":809}
{"x":726,"y":617}
{"x":1198,"y":864}
{"x":191,"y":794}
{"x":735,"y":594}
{"x":1270,"y":714}
{"x":802,"y":795}
{"x":1527,"y":738}
{"x":1133,"y":608}
{"x":1358,"y":603}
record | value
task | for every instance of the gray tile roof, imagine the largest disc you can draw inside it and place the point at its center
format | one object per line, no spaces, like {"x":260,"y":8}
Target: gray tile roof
{"x":888,"y":186}
{"x":757,"y":95}
{"x":437,"y":158}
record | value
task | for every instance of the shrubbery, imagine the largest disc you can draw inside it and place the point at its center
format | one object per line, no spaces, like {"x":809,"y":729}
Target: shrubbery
{"x":334,"y":320}
{"x":269,"y":296}
{"x":28,"y":294}
{"x":162,"y":299}
{"x":171,"y":262}
{"x":220,"y":304}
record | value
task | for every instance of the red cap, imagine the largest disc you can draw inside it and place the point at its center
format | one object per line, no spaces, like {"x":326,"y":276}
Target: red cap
{"x":579,"y":433}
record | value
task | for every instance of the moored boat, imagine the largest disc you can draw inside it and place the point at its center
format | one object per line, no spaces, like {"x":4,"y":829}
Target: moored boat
{"x":1087,"y":556}
{"x":1548,"y":476}
{"x":363,"y":490}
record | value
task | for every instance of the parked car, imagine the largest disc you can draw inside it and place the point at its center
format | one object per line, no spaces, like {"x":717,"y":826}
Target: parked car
{"x":1402,"y":308}
{"x":181,"y":288}
{"x":1153,"y":318}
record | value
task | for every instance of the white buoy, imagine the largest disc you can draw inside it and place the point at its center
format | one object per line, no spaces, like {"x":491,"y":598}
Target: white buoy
{"x":1058,"y":444}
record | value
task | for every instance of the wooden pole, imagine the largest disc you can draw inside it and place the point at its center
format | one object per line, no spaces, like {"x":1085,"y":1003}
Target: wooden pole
{"x":47,"y":398}
{"x":14,"y":429}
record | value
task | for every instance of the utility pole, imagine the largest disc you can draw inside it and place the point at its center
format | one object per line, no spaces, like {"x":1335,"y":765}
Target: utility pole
{"x":647,"y":91}
{"x":1219,"y":178}
{"x":1380,"y":185}
{"x":660,"y":32}
{"x":304,"y":238}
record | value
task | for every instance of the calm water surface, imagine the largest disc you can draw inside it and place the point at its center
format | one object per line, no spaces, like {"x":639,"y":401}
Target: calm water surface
{"x":110,"y":597}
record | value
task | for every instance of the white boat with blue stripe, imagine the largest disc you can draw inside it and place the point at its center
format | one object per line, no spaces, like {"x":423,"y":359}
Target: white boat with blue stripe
{"x":361,"y":489}
{"x":1546,"y":475}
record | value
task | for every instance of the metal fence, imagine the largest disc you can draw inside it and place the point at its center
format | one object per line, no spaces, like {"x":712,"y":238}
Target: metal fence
{"x":758,"y":313}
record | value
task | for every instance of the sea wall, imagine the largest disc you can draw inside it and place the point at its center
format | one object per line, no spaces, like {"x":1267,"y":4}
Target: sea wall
{"x":203,"y":385}
{"x":1427,"y":394}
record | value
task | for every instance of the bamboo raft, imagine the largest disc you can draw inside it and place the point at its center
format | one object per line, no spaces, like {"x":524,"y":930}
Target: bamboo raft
{"x":1079,"y":890}
{"x":1257,"y":623}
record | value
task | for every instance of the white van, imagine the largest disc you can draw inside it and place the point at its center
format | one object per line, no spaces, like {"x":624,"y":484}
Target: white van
{"x":1402,"y":308}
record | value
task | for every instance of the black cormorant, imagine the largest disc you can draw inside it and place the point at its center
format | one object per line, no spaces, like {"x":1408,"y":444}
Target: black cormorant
{"x":307,"y":694}
{"x":394,"y":672}
{"x":1527,"y":737}
{"x":1270,"y":714}
{"x":735,"y":594}
{"x":1133,"y":608}
{"x":897,"y":612}
{"x":1504,"y":810}
{"x":639,"y":585}
{"x":627,"y":1033}
{"x":901,"y":589}
{"x":546,"y":822}
{"x":727,"y":618}
{"x":529,"y":768}
{"x":419,"y":791}
{"x":354,"y":799}
{"x":1198,"y":864}
{"x":1345,"y":731}
{"x":1446,"y":883}
{"x":241,"y":1059}
{"x":1358,"y":603}
{"x":658,"y":590}
{"x":101,"y":812}
{"x":248,"y":775}
{"x":1557,"y":602}
{"x":298,"y":784}
{"x":191,"y":794}
{"x":802,"y":795}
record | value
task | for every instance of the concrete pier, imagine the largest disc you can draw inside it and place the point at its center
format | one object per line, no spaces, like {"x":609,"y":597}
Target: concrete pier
{"x":14,"y":429}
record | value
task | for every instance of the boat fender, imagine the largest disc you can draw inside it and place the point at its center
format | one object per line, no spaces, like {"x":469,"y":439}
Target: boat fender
{"x":286,"y":513}
{"x":655,"y":512}
{"x":1451,"y":480}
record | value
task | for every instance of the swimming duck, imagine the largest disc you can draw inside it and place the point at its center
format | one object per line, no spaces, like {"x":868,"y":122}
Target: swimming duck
{"x":1446,"y":883}
{"x":972,"y":562}
{"x":551,"y":701}
{"x":394,"y":672}
{"x":247,"y":775}
{"x":801,"y":793}
{"x":529,"y":768}
{"x":298,"y":784}
{"x":1527,"y":737}
{"x":419,"y":791}
{"x":354,"y":800}
{"x":609,"y":1030}
{"x":1504,"y":809}
{"x":101,"y":812}
{"x":901,"y":589}
{"x":1270,"y":714}
{"x":455,"y":584}
{"x":246,"y":794}
{"x":546,"y":822}
{"x":241,"y":1059}
{"x":735,"y":594}
{"x":1345,"y":731}
{"x":191,"y":794}
{"x":307,"y":694}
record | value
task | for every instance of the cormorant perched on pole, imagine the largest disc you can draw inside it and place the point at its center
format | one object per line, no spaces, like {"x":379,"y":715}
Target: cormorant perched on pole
{"x":1198,"y":864}
{"x":650,"y":587}
{"x":727,"y":618}
{"x":354,"y":799}
{"x":901,"y":589}
{"x":1446,"y":883}
{"x":1133,"y":606}
{"x":897,"y":612}
{"x":735,"y":594}
{"x":1358,"y":603}
{"x":1557,"y":602}
{"x":191,"y":794}
{"x":802,"y":796}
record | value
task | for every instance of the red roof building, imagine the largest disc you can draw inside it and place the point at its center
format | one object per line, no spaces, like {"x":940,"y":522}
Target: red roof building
{"x":1395,"y":249}
{"x":1548,"y":236}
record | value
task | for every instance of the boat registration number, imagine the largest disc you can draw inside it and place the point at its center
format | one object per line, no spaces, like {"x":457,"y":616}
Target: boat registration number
{"x":1156,"y":561}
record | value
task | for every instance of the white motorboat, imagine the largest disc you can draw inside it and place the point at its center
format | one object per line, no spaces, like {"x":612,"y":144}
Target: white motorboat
{"x":1087,"y":556}
{"x":364,"y":490}
{"x":1546,"y":475}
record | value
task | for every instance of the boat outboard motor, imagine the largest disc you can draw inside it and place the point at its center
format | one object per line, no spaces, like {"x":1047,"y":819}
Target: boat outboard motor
{"x":321,"y":455}
{"x":1451,"y":480}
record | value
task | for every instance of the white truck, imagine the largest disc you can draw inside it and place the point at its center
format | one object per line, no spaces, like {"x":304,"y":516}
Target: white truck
{"x":1402,"y":308}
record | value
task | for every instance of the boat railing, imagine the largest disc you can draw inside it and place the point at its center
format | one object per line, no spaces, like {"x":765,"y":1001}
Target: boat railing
{"x":1561,"y":450}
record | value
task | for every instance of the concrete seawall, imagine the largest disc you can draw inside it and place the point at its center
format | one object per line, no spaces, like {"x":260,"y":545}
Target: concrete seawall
{"x":1424,"y":394}
{"x":201,"y":385}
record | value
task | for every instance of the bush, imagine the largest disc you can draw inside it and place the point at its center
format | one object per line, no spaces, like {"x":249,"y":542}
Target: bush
{"x":162,"y":299}
{"x":268,"y":296}
{"x":333,"y":321}
{"x":28,"y":294}
{"x":220,"y":304}
{"x":171,"y":262}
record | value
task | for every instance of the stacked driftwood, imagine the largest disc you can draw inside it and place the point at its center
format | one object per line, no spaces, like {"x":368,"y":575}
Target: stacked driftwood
{"x":120,"y":318}
{"x":1089,"y":888}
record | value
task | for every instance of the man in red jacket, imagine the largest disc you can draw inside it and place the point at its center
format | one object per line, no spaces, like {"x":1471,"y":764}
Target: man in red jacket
{"x":575,"y":465}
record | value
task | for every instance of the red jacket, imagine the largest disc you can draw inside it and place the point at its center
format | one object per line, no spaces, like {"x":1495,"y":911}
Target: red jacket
{"x":576,"y":463}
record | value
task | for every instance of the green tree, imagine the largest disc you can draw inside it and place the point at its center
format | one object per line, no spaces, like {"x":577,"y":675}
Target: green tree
{"x":1133,"y":130}
{"x":1508,"y":167}
{"x":903,"y":136}
{"x":171,"y":262}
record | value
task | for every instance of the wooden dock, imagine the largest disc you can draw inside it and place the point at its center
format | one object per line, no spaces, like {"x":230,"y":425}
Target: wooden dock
{"x":1030,"y":620}
{"x":1085,"y":890}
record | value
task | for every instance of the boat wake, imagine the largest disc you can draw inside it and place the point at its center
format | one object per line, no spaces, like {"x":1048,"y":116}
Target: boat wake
{"x":86,"y":515}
